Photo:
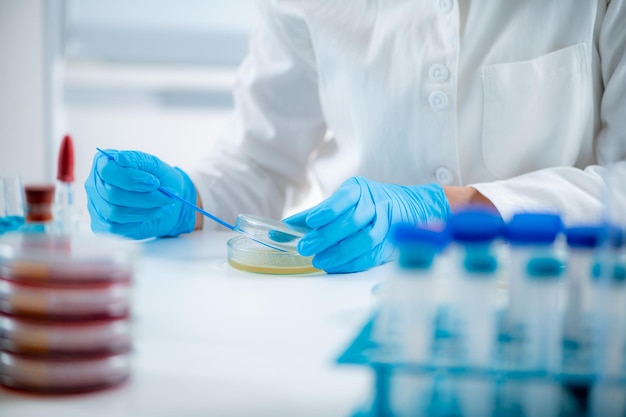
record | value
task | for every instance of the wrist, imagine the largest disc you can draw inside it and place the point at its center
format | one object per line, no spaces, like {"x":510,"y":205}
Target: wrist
{"x":465,"y":196}
{"x":199,"y":218}
{"x":186,"y":214}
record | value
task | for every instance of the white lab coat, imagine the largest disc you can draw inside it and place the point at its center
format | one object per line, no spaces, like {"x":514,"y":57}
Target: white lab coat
{"x":523,"y":100}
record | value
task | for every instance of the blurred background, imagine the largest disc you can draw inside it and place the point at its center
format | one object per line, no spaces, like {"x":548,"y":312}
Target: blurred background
{"x":153,"y":75}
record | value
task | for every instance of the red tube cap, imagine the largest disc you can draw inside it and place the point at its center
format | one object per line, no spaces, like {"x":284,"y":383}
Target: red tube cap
{"x":65,"y":166}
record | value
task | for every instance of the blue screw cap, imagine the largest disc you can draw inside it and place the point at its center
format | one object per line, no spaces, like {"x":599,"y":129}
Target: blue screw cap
{"x":475,"y":225}
{"x":533,"y":228}
{"x":417,"y":245}
{"x":585,"y":236}
{"x":409,"y":233}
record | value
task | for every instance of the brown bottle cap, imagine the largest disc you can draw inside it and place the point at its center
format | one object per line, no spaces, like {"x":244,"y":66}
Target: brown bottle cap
{"x":39,"y":194}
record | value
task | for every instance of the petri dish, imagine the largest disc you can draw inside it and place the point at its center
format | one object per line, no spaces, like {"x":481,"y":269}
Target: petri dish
{"x":271,"y":232}
{"x":63,"y":374}
{"x":88,"y":259}
{"x":65,"y":302}
{"x":58,"y":338}
{"x":248,"y":255}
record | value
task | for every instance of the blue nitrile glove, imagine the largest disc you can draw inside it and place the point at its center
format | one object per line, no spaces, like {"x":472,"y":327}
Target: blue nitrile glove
{"x":124,"y":198}
{"x":351,"y":228}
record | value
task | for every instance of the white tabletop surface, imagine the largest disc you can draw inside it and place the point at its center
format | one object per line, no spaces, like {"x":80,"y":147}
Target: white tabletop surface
{"x":214,"y":341}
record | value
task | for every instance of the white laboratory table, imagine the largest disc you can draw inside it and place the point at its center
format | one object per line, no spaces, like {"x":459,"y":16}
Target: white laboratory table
{"x":214,"y":341}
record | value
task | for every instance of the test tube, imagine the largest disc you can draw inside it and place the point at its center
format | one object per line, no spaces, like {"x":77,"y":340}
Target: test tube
{"x":530,"y":236}
{"x":473,"y":290}
{"x":582,"y":242}
{"x":608,"y":328}
{"x":11,"y":203}
{"x":608,"y":305}
{"x":65,"y":213}
{"x":405,"y":325}
{"x":542,"y":315}
{"x":533,"y":319}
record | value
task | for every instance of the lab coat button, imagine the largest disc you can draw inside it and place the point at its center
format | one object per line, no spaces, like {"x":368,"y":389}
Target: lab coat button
{"x":446,"y":6}
{"x":438,"y":100}
{"x":444,"y":176}
{"x":439,"y":73}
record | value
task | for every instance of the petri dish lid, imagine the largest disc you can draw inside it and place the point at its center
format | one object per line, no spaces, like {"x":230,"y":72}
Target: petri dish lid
{"x":273,"y":233}
{"x":40,"y":258}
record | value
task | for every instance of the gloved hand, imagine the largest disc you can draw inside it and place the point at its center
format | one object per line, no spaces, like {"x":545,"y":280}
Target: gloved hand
{"x":351,"y":228}
{"x":124,"y":198}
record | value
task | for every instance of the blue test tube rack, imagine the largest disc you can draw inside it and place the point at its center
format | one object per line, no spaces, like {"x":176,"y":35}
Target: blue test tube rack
{"x":510,"y":384}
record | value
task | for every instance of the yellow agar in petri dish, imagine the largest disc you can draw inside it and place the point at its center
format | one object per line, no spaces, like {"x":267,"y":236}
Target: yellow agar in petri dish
{"x":247,"y":255}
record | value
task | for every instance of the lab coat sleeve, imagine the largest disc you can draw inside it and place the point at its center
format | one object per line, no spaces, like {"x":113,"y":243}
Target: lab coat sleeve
{"x":580,"y":195}
{"x":262,"y":158}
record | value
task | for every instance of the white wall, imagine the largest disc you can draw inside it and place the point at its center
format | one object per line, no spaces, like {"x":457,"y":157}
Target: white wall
{"x":144,"y":108}
{"x":180,"y":32}
{"x":49,"y":84}
{"x":46,"y":92}
{"x":23,"y":144}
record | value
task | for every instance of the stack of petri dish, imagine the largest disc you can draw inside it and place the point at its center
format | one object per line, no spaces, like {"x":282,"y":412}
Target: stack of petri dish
{"x":64,"y":312}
